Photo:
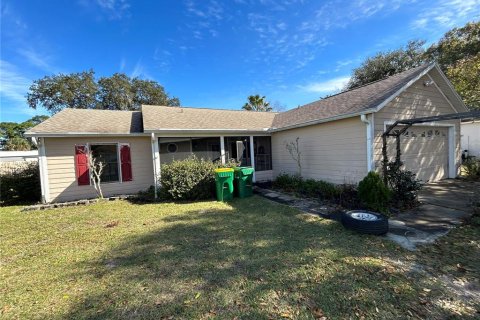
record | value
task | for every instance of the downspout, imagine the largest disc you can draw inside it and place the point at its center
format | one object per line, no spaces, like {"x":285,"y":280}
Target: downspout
{"x":365,"y":119}
{"x":155,"y":165}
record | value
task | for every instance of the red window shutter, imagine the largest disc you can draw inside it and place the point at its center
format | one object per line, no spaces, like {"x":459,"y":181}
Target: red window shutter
{"x":126,"y":163}
{"x":81,"y":161}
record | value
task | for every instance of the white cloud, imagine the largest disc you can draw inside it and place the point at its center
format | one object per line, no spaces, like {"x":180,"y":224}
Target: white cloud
{"x":334,"y":14}
{"x":36,"y":59}
{"x":13,"y":90}
{"x":123,"y":62}
{"x":331,"y":85}
{"x":9,"y":17}
{"x":447,"y":14}
{"x":208,"y":15}
{"x":14,"y":86}
{"x":113,"y":9}
{"x":140,"y":71}
{"x":163,"y":59}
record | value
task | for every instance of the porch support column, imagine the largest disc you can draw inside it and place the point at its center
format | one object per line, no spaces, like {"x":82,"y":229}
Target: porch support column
{"x":222,"y":149}
{"x":252,"y":157}
{"x":42,"y":163}
{"x":452,"y":154}
{"x":156,"y":163}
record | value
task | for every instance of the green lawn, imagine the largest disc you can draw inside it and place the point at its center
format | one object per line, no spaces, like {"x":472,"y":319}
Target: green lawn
{"x":249,"y":259}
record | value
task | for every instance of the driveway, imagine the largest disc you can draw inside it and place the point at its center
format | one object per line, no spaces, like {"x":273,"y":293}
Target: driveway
{"x":444,"y":205}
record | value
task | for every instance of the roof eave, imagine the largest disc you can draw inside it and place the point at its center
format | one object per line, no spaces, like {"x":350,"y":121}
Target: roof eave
{"x":319,"y":121}
{"x":83,"y":134}
{"x":219,"y":131}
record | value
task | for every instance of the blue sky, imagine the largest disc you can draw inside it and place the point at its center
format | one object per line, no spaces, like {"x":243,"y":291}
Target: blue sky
{"x":212,"y":53}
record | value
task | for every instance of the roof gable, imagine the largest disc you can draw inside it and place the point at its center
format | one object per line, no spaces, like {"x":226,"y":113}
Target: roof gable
{"x":368,"y":98}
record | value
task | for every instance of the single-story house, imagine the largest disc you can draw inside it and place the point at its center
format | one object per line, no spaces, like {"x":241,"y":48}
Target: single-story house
{"x":340,"y":137}
{"x":470,"y":140}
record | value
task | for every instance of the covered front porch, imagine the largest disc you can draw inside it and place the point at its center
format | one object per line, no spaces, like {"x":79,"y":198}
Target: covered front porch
{"x":249,"y":150}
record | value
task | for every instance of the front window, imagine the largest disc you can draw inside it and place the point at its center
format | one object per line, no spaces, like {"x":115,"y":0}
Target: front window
{"x":238,"y":148}
{"x":108,"y":155}
{"x":180,"y":148}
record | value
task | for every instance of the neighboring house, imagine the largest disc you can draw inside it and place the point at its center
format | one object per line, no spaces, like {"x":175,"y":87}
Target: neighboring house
{"x":12,"y":161}
{"x":471,"y":137}
{"x":339,"y":137}
{"x":13,"y":156}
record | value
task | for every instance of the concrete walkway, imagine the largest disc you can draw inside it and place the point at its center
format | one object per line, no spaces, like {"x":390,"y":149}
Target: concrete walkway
{"x":314,"y":206}
{"x":444,"y":205}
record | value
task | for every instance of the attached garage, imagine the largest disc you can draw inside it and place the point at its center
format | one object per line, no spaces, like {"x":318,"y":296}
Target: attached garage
{"x":430,"y":150}
{"x":425,"y":152}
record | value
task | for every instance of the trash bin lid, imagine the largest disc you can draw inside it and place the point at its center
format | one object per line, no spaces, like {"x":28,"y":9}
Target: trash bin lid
{"x":243,"y":170}
{"x":224,"y":170}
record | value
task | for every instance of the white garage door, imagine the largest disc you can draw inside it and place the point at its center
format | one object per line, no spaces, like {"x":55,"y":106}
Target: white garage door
{"x":425,"y":152}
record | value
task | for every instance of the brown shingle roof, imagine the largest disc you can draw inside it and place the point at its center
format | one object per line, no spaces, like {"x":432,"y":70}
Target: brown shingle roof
{"x":91,"y":121}
{"x":348,"y":102}
{"x":159,"y":117}
{"x":151,"y":118}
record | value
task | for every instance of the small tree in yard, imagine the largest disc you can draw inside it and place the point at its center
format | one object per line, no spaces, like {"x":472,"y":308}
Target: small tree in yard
{"x":294,"y":150}
{"x":96,"y":169}
{"x":403,"y":183}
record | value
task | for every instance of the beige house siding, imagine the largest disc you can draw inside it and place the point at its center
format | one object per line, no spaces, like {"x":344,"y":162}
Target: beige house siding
{"x":263,"y":175}
{"x":332,"y":151}
{"x":416,"y":101}
{"x":63,"y":186}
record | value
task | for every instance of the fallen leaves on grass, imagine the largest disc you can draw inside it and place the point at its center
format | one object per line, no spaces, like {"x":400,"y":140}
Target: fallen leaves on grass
{"x":112,"y":224}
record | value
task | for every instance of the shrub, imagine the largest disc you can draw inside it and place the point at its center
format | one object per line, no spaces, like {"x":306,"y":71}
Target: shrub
{"x":309,"y":187}
{"x":289,"y":183}
{"x":189,"y":179}
{"x":403,"y":184}
{"x":328,"y":190}
{"x":471,"y":168}
{"x":145,"y":196}
{"x":348,"y":196}
{"x":21,"y":185}
{"x":373,"y":193}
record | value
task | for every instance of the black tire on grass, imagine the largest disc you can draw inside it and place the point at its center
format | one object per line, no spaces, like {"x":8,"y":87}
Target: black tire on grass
{"x":375,"y":227}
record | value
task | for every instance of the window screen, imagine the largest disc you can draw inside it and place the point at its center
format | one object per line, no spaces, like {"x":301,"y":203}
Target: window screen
{"x":107,"y":154}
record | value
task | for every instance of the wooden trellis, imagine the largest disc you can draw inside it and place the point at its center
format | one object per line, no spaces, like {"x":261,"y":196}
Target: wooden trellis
{"x":407,"y":123}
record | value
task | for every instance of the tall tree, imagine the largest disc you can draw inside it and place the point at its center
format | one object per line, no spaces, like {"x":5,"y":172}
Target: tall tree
{"x":75,"y":90}
{"x":12,"y":134}
{"x":465,"y":77}
{"x":115,"y":92}
{"x":151,"y":92}
{"x":457,"y":44}
{"x":82,"y":91}
{"x":458,"y":54}
{"x":385,"y":64}
{"x":257,"y":103}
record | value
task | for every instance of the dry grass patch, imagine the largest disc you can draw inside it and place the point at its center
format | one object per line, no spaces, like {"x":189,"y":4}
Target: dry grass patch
{"x":250,"y":259}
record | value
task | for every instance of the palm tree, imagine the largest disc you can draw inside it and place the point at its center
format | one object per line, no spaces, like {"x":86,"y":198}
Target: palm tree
{"x":257,"y":103}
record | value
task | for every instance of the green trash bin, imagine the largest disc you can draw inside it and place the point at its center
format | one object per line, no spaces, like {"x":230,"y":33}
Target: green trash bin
{"x":224,"y":183}
{"x":243,"y":181}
